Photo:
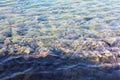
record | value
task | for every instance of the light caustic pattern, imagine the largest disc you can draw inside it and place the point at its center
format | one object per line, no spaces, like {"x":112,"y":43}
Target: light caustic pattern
{"x":69,"y":39}
{"x":59,"y":19}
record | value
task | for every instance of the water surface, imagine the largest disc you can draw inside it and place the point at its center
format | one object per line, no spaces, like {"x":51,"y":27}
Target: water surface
{"x":59,"y":39}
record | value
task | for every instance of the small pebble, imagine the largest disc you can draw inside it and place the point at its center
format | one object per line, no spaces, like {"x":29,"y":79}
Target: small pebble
{"x":7,"y":41}
{"x":27,"y":50}
{"x":41,"y":19}
{"x":88,"y":19}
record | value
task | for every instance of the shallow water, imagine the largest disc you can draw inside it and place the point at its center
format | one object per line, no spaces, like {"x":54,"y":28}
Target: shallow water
{"x":58,"y":18}
{"x":59,"y":39}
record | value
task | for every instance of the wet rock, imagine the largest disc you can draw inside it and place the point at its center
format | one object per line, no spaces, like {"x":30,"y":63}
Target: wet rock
{"x":113,"y":49}
{"x":7,"y":41}
{"x":92,"y":36}
{"x":22,"y":31}
{"x":2,"y":17}
{"x":42,"y":19}
{"x":42,"y":52}
{"x":107,"y":53}
{"x":56,"y":51}
{"x":114,"y":24}
{"x":40,"y":44}
{"x":32,"y":50}
{"x":118,"y":60}
{"x":21,"y":49}
{"x":99,"y":55}
{"x":104,"y":59}
{"x":77,"y":45}
{"x":89,"y":45}
{"x":94,"y":59}
{"x":67,"y":51}
{"x":112,"y":59}
{"x":88,"y":18}
{"x":110,"y":41}
{"x":2,"y":37}
{"x":2,"y":51}
{"x":102,"y":43}
{"x":11,"y":51}
{"x":85,"y":54}
{"x":72,"y":36}
{"x":1,"y":46}
{"x":101,"y":49}
{"x":27,"y":50}
{"x":35,"y":44}
{"x":8,"y":33}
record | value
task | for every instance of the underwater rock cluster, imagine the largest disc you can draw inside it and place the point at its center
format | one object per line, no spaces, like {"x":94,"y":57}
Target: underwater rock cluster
{"x":83,"y":58}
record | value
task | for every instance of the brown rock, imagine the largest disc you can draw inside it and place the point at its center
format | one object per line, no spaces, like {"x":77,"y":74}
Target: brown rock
{"x":2,"y":51}
{"x":7,"y":41}
{"x":43,"y":52}
{"x":21,"y":49}
{"x":27,"y":50}
{"x":110,"y":41}
{"x":40,"y":44}
{"x":11,"y":51}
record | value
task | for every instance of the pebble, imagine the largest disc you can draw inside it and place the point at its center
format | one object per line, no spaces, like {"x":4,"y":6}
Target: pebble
{"x":1,"y":36}
{"x":22,"y":31}
{"x":114,"y":24}
{"x":27,"y":50}
{"x":21,"y":49}
{"x":34,"y":45}
{"x":42,"y":19}
{"x":112,"y":59}
{"x":40,"y":44}
{"x":2,"y":17}
{"x":114,"y":49}
{"x":43,"y":52}
{"x":11,"y":51}
{"x":110,"y":41}
{"x":7,"y":41}
{"x":107,"y":53}
{"x":8,"y":33}
{"x":88,"y":18}
{"x":2,"y":50}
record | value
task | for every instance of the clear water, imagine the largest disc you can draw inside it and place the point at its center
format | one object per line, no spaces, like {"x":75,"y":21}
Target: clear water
{"x":59,"y":18}
{"x":54,"y":22}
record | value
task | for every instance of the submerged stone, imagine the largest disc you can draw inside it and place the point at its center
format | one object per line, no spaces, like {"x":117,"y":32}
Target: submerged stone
{"x":27,"y":50}
{"x":22,"y":30}
{"x":88,"y":18}
{"x":8,"y":33}
{"x":2,"y":17}
{"x":7,"y":41}
{"x":42,"y":19}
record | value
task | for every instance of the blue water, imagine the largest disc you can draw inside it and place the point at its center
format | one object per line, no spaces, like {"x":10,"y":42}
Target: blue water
{"x":48,"y":39}
{"x":51,"y":17}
